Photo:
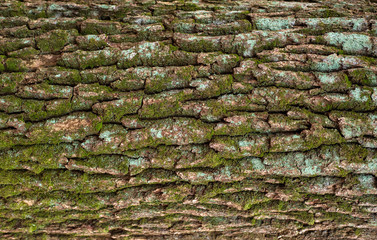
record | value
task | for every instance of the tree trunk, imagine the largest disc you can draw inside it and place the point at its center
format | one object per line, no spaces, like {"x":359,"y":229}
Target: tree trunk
{"x":201,"y":119}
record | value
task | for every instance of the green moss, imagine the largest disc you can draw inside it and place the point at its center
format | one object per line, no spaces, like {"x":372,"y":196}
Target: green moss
{"x":14,"y":10}
{"x":92,"y":42}
{"x":345,"y":206}
{"x":89,"y":59}
{"x":327,"y":13}
{"x":189,"y":7}
{"x":297,"y":8}
{"x":342,"y":172}
{"x":7,"y":140}
{"x":348,"y":83}
{"x":15,"y":65}
{"x":38,"y":13}
{"x":83,"y":124}
{"x":169,"y":104}
{"x":311,"y":31}
{"x":99,"y":126}
{"x":202,"y":46}
{"x":124,"y":38}
{"x":44,"y":157}
{"x":323,"y":137}
{"x":165,"y":79}
{"x":120,"y":14}
{"x":2,"y":66}
{"x":319,"y":40}
{"x":113,"y":111}
{"x":304,"y":216}
{"x":270,"y":45}
{"x":33,"y":228}
{"x":55,"y":108}
{"x":363,"y":76}
{"x":354,"y":153}
{"x":332,"y":200}
{"x":10,"y":81}
{"x":337,"y":217}
{"x":25,"y":53}
{"x":102,"y":27}
{"x":263,"y":59}
{"x":22,"y":32}
{"x":270,"y":205}
{"x":224,"y":85}
{"x":173,"y":48}
{"x":61,"y":75}
{"x":369,"y":60}
{"x":15,"y":44}
{"x":53,"y":42}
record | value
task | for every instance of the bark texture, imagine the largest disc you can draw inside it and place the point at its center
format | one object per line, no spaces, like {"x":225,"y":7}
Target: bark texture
{"x":200,"y":119}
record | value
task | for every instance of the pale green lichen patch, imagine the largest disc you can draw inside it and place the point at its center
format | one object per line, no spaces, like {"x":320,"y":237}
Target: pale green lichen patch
{"x":353,"y":24}
{"x":274,"y":24}
{"x":351,"y":43}
{"x":334,"y":62}
{"x":188,"y":119}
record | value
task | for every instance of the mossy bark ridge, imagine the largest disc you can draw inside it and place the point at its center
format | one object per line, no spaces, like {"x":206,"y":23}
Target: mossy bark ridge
{"x":188,"y":119}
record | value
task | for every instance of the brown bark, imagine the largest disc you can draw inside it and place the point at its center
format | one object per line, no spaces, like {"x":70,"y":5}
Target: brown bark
{"x":207,"y":119}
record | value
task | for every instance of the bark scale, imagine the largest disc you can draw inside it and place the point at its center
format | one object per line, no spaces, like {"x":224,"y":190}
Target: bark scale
{"x":201,"y":119}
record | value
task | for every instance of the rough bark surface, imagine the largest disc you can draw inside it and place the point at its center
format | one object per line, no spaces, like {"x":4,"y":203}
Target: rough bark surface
{"x":201,"y":119}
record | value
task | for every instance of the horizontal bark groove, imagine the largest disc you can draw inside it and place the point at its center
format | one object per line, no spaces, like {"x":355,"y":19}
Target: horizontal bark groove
{"x":207,"y":119}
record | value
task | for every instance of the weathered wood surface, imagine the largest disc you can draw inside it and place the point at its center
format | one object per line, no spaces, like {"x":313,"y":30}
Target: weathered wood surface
{"x":210,"y":119}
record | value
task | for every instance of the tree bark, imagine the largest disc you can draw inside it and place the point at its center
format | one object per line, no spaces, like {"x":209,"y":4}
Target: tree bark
{"x":201,"y":119}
